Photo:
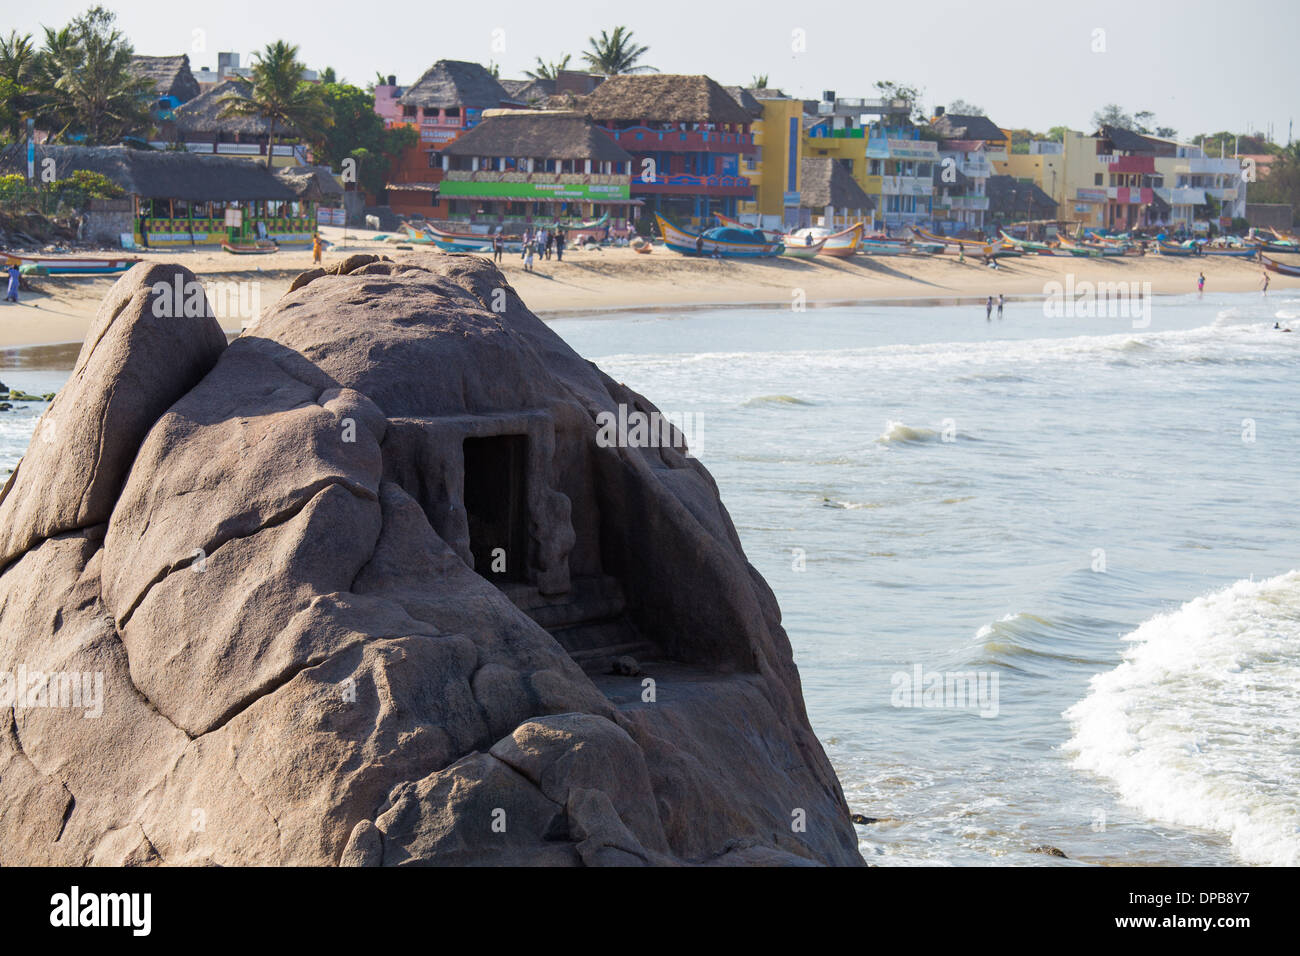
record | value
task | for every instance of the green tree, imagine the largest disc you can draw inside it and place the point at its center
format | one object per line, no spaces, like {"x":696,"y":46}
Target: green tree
{"x":1057,"y":133}
{"x":280,"y":96}
{"x":962,"y":108}
{"x":616,"y":53}
{"x":84,"y":73}
{"x":911,"y":95}
{"x":1281,"y":184}
{"x":548,"y":71}
{"x":19,"y":96}
{"x":759,"y":82}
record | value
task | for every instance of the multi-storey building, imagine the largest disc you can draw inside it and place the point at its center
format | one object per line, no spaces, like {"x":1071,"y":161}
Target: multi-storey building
{"x":446,"y":101}
{"x":969,"y":146}
{"x":773,"y":169}
{"x":519,"y":167}
{"x":687,"y":136}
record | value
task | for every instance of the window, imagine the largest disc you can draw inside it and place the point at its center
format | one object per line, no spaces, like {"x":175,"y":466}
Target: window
{"x":435,"y":160}
{"x":1097,"y":180}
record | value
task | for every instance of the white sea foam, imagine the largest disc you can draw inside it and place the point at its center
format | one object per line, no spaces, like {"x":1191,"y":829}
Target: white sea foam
{"x":1199,"y":724}
{"x":899,"y":432}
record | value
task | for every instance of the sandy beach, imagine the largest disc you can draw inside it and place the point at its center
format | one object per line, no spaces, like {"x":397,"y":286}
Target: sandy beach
{"x":59,"y":309}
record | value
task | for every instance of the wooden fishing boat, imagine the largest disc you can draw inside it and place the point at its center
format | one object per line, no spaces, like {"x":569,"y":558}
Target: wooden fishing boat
{"x":1242,"y":252}
{"x":1282,"y":268}
{"x":773,"y":235}
{"x":261,"y":247}
{"x":981,"y":246}
{"x":886,"y":247}
{"x":799,"y":247}
{"x":1080,"y":249}
{"x":1029,"y":245}
{"x":1173,"y":249}
{"x":68,"y":265}
{"x":841,"y":244}
{"x":726,"y":241}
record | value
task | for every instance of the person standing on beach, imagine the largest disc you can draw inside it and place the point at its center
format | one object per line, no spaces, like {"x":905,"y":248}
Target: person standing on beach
{"x":988,"y":309}
{"x":498,"y":247}
{"x":528,"y":238}
{"x":1200,"y":284}
{"x":315,"y":248}
{"x":528,"y":257}
{"x":12,"y":294}
{"x":1000,"y":301}
{"x":699,"y":245}
{"x":559,"y":245}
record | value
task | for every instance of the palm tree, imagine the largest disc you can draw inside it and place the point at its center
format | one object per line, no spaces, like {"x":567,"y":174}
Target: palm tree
{"x":759,"y":82}
{"x":615,"y":53}
{"x":548,"y":71}
{"x":18,"y":72}
{"x":280,"y":96}
{"x":85,"y":73}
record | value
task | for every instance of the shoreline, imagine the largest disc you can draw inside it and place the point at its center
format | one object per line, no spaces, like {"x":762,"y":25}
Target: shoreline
{"x":591,"y":283}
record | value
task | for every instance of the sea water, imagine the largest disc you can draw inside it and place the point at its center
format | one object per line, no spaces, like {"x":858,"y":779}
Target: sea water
{"x":1090,"y":527}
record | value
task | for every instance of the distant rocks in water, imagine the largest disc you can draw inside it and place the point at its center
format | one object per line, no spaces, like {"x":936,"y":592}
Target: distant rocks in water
{"x":351,"y":588}
{"x":1047,"y":850}
{"x":860,"y":820}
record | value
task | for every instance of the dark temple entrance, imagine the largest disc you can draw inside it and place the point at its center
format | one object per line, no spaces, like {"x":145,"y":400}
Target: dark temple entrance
{"x":495,"y":504}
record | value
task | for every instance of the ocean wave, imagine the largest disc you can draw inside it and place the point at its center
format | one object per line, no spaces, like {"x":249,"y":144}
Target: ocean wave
{"x":777,"y":401}
{"x":896,"y":432}
{"x":1197,"y":726}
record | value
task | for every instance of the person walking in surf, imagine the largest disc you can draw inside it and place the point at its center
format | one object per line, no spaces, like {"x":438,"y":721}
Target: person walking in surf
{"x":988,"y":310}
{"x":1000,"y":301}
{"x":1200,"y":284}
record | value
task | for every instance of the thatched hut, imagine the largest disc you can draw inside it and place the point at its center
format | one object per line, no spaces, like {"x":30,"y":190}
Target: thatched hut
{"x":525,"y":165}
{"x":686,"y":135}
{"x":182,"y":198}
{"x":171,"y":80}
{"x":200,"y":123}
{"x":829,"y":189}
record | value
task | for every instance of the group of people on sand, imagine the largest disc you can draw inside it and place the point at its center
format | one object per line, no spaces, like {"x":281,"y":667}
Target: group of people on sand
{"x":540,"y":242}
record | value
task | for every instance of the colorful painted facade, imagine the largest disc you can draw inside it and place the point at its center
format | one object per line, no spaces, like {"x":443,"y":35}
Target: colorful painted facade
{"x":773,"y":167}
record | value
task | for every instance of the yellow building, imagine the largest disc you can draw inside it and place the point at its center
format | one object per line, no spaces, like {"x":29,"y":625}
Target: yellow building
{"x":1044,"y":170}
{"x":773,"y":168}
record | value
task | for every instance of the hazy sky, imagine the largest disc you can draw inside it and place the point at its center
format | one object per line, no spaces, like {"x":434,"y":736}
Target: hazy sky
{"x":1199,"y":65}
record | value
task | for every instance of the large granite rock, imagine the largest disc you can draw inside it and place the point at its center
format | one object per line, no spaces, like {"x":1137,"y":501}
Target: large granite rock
{"x":362,"y":588}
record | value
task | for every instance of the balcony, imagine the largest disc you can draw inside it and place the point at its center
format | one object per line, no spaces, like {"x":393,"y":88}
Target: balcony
{"x":1129,"y":195}
{"x":688,"y":185}
{"x":535,"y":179}
{"x":905,"y":185}
{"x":645,"y":140}
{"x":1223,"y":194}
{"x":1205,"y":165}
{"x":1132,"y":164}
{"x":972,"y":203}
{"x":976,"y":168}
{"x":1182,"y":196}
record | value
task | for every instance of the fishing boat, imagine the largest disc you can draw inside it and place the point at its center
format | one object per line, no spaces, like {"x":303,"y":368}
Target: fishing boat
{"x":68,"y":265}
{"x":841,"y":245}
{"x":1282,"y":268}
{"x":886,"y":247}
{"x":1028,"y":245}
{"x":983,"y":246}
{"x":801,"y":247}
{"x":773,"y":235}
{"x":1084,"y":250}
{"x":1243,"y":252}
{"x":1173,"y":249}
{"x":261,"y":247}
{"x":726,"y":241}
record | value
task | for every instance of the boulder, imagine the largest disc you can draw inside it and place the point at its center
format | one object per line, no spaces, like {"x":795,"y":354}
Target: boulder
{"x":367,"y":588}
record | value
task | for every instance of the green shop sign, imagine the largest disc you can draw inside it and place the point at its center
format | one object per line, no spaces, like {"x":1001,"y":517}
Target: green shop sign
{"x":544,"y":192}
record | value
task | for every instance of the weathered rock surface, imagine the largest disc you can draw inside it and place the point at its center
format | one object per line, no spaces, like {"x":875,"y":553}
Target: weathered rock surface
{"x":362,"y":588}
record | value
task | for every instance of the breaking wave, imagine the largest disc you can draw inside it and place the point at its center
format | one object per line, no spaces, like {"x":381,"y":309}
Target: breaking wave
{"x":1197,"y":726}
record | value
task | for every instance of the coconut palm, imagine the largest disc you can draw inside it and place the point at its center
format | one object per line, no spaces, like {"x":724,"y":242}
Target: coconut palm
{"x":615,"y":53}
{"x":759,"y":82}
{"x":280,"y":96}
{"x":84,"y":73}
{"x":19,"y":97}
{"x":548,"y":71}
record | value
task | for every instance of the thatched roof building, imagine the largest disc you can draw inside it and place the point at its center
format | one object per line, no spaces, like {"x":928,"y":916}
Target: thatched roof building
{"x":169,"y":75}
{"x":155,"y":174}
{"x":824,"y":181}
{"x":456,"y":83}
{"x":549,"y":135}
{"x":747,"y":101}
{"x":531,"y":92}
{"x":962,"y":126}
{"x":1014,"y":199}
{"x":316,"y":183}
{"x":663,"y":98}
{"x":201,"y":117}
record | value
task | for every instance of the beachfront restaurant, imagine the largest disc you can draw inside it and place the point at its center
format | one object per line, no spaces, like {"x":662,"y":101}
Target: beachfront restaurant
{"x":182,"y":199}
{"x":524,"y":167}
